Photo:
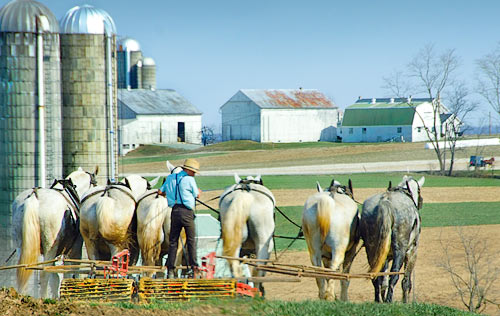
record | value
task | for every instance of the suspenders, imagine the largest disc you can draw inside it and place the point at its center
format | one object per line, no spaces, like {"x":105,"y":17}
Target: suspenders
{"x":177,"y":184}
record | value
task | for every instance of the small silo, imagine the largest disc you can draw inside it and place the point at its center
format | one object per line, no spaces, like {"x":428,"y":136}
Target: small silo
{"x":148,"y":73}
{"x":129,"y":53}
{"x":30,"y":105}
{"x":89,"y":91}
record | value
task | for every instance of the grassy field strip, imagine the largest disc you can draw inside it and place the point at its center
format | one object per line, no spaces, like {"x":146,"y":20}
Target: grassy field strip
{"x":365,"y":180}
{"x":430,"y":195}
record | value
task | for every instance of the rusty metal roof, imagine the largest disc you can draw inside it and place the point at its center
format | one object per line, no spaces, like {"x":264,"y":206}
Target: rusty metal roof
{"x":154,"y":102}
{"x":288,"y":98}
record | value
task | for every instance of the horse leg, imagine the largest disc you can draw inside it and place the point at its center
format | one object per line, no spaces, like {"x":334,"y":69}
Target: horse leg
{"x":385,"y":281}
{"x":75,"y":253}
{"x":348,"y":259}
{"x":263,"y":251}
{"x":329,"y":292}
{"x":410,"y":261}
{"x":397,"y":263}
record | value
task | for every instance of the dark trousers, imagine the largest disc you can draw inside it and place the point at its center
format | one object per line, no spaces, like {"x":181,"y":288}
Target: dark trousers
{"x":182,"y":217}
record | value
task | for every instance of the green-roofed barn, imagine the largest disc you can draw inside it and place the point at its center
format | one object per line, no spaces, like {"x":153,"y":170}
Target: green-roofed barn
{"x":390,"y":119}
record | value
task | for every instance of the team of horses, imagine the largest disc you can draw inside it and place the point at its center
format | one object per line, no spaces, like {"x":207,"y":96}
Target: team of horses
{"x":131,"y":215}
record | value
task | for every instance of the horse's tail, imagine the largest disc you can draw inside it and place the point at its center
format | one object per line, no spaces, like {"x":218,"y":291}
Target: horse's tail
{"x":104,"y":217}
{"x":30,"y":244}
{"x":378,"y":256}
{"x":232,"y":223}
{"x":325,"y":205}
{"x":150,"y":231}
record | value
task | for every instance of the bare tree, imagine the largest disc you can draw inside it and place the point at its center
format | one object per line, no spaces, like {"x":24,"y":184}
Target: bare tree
{"x":432,"y":74}
{"x":488,"y":77}
{"x":474,"y":276}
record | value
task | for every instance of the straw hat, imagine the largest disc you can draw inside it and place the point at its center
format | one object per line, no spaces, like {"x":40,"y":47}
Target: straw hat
{"x":192,"y":164}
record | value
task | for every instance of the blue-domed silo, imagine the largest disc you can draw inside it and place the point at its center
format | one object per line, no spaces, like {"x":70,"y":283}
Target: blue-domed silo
{"x":88,"y":51}
{"x":30,"y":106}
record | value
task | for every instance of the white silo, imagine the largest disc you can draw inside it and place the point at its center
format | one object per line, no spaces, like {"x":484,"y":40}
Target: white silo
{"x":30,"y":106}
{"x":89,"y":91}
{"x":129,"y":53}
{"x":148,"y":73}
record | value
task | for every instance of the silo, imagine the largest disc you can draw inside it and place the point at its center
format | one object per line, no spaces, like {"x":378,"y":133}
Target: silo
{"x":89,"y":91}
{"x":135,"y":70}
{"x":30,"y":106}
{"x":148,"y":73}
{"x":129,"y":53}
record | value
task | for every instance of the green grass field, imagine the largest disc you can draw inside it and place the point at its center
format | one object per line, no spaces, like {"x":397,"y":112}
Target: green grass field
{"x":365,"y":180}
{"x":260,"y":307}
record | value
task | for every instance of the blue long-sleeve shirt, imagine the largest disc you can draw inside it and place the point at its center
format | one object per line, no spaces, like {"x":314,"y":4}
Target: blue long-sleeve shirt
{"x":185,"y":194}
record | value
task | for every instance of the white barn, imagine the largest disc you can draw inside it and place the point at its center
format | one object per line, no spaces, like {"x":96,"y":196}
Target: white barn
{"x":391,"y":119}
{"x":156,"y":117}
{"x":279,"y":115}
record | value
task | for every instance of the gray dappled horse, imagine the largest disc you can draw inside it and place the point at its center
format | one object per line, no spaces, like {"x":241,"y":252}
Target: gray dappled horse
{"x":390,"y":229}
{"x":247,"y":223}
{"x":330,"y":224}
{"x":108,"y":222}
{"x":45,"y":222}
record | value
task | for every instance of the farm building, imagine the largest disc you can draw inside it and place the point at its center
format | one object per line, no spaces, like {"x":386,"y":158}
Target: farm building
{"x":281,"y":115}
{"x":156,"y":117}
{"x":392,"y":119}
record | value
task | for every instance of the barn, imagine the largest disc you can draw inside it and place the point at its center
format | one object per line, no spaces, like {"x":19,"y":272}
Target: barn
{"x":163,"y":116}
{"x":392,"y":119}
{"x":279,"y":115}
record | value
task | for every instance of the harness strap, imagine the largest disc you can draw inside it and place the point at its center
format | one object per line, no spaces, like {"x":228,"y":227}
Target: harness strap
{"x":109,"y":187}
{"x":145,"y":196}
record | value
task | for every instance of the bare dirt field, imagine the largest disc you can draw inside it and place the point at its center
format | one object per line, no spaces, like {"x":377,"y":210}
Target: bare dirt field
{"x":432,"y":283}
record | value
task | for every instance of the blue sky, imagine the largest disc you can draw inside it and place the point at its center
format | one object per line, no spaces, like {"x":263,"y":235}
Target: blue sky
{"x":208,"y":50}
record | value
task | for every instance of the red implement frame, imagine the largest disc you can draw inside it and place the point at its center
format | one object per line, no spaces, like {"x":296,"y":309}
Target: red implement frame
{"x":119,"y":265}
{"x":208,"y":265}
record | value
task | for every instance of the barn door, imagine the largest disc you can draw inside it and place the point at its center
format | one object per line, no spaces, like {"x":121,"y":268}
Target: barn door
{"x":181,"y":134}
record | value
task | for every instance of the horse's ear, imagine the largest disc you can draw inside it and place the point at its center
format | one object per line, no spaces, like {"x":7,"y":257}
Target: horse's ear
{"x":318,"y":187}
{"x":349,"y":184}
{"x":421,"y":182}
{"x":390,"y":185}
{"x":109,"y":182}
{"x":257,"y":178}
{"x":96,"y":170}
{"x":163,"y":182}
{"x":170,"y":166}
{"x":237,"y":179}
{"x":154,"y":181}
{"x":332,"y":184}
{"x":79,"y":169}
{"x":127,"y":184}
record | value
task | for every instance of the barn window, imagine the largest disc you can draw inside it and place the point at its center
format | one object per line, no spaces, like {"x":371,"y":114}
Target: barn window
{"x":126,"y":146}
{"x":400,"y":129}
{"x":419,"y":129}
{"x":350,"y":130}
{"x":363,"y":130}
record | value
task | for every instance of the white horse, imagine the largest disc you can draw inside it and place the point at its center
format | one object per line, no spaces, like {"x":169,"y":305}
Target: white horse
{"x":329,"y":222}
{"x":390,"y":228}
{"x":153,"y":225}
{"x":45,"y":222}
{"x":247,"y":222}
{"x":108,"y":218}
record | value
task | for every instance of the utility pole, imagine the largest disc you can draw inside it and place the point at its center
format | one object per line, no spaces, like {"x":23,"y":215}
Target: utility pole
{"x":489,"y":116}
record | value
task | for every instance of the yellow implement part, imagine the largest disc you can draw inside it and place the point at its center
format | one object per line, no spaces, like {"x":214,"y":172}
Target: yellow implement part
{"x":97,"y":289}
{"x":185,"y":289}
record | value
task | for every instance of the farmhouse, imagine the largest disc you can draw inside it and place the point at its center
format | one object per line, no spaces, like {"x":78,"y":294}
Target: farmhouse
{"x":281,"y":115}
{"x":156,"y":117}
{"x":393,"y":119}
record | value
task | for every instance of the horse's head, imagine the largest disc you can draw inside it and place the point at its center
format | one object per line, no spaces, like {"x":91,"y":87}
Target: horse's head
{"x":83,"y":180}
{"x":336,"y":187}
{"x":248,"y":179}
{"x":172,"y":169}
{"x":138,"y":185}
{"x":413,"y":187}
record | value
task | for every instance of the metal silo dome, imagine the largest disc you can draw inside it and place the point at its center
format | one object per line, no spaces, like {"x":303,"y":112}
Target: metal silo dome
{"x":87,"y":19}
{"x":129,"y":44}
{"x":20,"y":16}
{"x":148,"y":61}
